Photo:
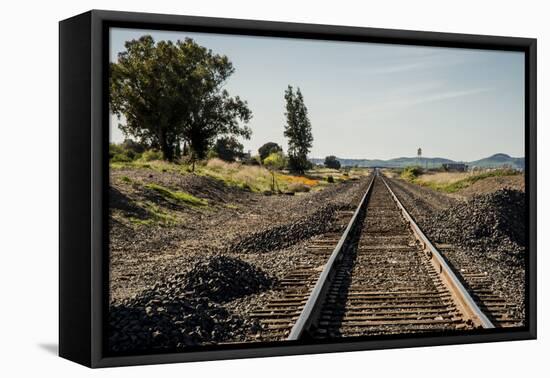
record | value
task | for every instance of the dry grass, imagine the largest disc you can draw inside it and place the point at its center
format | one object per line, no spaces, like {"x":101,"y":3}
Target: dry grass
{"x":218,"y":164}
{"x":236,"y":174}
{"x":444,"y":177}
{"x":252,"y":173}
{"x":452,"y":182}
{"x":258,"y":178}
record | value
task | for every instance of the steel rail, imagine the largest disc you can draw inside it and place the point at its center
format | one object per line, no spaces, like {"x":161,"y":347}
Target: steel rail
{"x":459,"y":293}
{"x":316,"y":297}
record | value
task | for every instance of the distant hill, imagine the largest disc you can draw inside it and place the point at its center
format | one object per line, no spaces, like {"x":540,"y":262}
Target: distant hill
{"x":494,"y":161}
{"x":392,"y":163}
{"x":499,"y":160}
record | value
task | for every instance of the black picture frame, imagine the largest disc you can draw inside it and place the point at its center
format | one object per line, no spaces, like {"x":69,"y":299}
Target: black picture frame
{"x":83,"y":178}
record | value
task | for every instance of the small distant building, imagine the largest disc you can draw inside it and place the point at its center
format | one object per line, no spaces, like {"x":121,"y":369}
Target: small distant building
{"x":455,"y":167}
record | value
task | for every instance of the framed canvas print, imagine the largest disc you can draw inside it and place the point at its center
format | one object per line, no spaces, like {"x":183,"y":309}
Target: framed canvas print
{"x":233,"y":188}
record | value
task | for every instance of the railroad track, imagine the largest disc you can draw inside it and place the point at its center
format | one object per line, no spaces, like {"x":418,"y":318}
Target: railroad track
{"x":380,"y":276}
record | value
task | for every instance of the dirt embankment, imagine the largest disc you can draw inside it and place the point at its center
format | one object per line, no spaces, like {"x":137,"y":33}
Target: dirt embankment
{"x":493,"y":184}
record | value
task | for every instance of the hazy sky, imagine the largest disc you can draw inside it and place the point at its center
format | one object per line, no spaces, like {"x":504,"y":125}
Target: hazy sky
{"x":372,"y":100}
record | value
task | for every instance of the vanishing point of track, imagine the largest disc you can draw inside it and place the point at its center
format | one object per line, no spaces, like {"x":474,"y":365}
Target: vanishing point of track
{"x":380,"y":276}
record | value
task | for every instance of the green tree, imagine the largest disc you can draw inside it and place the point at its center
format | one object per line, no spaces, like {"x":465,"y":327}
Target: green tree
{"x":228,"y":148}
{"x":267,"y":149}
{"x":332,"y":162}
{"x":172,"y":93}
{"x":297,"y":130}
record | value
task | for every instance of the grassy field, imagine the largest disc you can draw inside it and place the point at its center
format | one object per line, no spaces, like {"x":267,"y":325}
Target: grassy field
{"x":451,"y":182}
{"x":249,"y":177}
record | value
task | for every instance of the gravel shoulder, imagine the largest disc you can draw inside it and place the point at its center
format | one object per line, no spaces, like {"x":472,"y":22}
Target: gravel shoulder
{"x":421,"y":202}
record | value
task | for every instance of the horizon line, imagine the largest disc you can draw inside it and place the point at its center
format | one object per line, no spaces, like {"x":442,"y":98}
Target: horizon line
{"x":424,"y":157}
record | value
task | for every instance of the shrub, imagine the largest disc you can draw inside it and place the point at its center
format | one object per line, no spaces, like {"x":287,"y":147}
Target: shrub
{"x":125,"y":152}
{"x":151,"y":155}
{"x":411,"y":173}
{"x":120,"y":158}
{"x":117,"y":154}
{"x":330,"y":179}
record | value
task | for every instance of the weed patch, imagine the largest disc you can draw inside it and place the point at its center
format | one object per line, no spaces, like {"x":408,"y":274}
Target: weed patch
{"x":177,"y":196}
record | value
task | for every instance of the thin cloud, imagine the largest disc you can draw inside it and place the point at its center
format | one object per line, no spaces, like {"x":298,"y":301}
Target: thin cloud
{"x":409,"y":97}
{"x":401,"y":68}
{"x":447,"y":95}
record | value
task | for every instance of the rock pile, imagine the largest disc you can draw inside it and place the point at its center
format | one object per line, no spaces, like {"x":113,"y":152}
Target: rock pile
{"x":154,"y":321}
{"x":285,"y":235}
{"x":186,"y":309}
{"x":490,"y":223}
{"x":224,"y":278}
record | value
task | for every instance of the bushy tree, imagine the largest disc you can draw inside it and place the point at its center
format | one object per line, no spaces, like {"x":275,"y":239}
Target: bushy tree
{"x":228,"y":148}
{"x":171,"y":93}
{"x":267,"y":149}
{"x":332,"y":162}
{"x":297,"y":130}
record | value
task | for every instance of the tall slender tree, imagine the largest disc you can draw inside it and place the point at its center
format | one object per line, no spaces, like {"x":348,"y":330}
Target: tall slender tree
{"x":297,"y":130}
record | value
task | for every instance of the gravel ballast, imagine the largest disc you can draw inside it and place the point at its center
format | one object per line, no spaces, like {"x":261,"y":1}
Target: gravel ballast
{"x":225,"y":278}
{"x":283,"y":236}
{"x":186,"y":309}
{"x":158,"y":319}
{"x":491,"y":223}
